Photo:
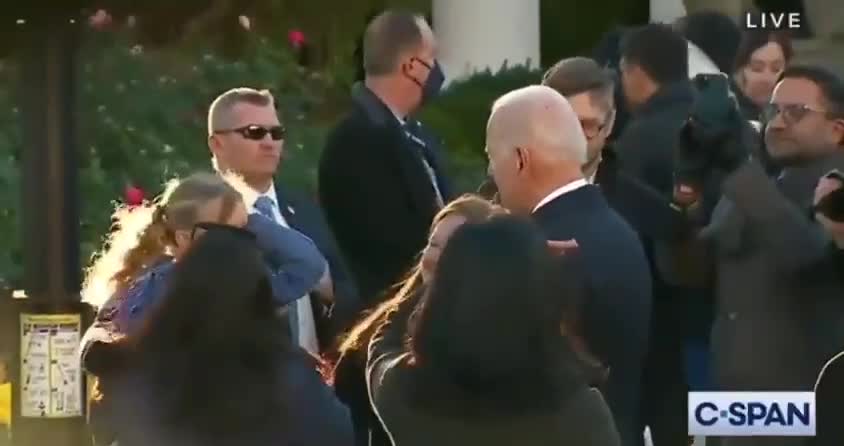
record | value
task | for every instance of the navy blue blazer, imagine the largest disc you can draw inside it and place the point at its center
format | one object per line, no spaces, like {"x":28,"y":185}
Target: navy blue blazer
{"x":615,"y":318}
{"x":305,"y":216}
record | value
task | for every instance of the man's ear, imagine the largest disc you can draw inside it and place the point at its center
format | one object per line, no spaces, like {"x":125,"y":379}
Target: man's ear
{"x":522,"y":157}
{"x":838,"y":127}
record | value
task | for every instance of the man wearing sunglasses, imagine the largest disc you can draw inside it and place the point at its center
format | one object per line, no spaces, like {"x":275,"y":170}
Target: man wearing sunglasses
{"x":381,"y":179}
{"x":246,"y":137}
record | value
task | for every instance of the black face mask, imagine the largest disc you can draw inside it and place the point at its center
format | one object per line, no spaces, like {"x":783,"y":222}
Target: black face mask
{"x":434,"y":83}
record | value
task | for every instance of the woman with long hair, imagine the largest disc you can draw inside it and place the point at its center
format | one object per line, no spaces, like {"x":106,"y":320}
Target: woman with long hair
{"x":761,"y":58}
{"x":485,"y":358}
{"x":129,"y":277}
{"x":350,"y":370}
{"x":213,"y":365}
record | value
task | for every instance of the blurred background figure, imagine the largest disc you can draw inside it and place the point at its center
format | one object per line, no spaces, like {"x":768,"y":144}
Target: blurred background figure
{"x":490,"y":359}
{"x":350,"y":370}
{"x":761,"y":58}
{"x":713,"y":38}
{"x":214,"y":365}
{"x":655,"y":80}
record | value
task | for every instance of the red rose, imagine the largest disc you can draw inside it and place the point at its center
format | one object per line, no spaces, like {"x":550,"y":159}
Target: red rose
{"x":296,"y":38}
{"x":133,"y":196}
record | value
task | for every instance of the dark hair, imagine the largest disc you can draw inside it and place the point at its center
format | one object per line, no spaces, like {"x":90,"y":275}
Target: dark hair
{"x":752,"y":40}
{"x":715,"y":33}
{"x":577,"y":75}
{"x":828,"y":82}
{"x":212,"y":350}
{"x":490,"y":325}
{"x":389,"y":35}
{"x":659,"y":51}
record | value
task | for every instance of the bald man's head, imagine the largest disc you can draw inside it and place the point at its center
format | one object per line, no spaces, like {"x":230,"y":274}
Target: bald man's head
{"x":540,"y":120}
{"x":533,"y":139}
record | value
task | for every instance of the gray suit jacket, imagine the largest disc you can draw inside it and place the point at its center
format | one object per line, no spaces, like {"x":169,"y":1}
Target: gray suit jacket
{"x":774,"y":301}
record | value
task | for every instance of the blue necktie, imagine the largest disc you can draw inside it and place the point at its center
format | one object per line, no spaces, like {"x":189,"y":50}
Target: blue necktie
{"x":265,"y":205}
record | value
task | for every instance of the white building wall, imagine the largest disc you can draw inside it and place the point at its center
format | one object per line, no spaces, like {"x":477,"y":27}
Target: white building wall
{"x":477,"y":34}
{"x":666,"y":11}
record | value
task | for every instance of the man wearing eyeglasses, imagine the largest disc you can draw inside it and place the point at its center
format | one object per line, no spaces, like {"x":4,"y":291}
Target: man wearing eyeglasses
{"x":589,"y":89}
{"x":246,"y":137}
{"x":779,"y":314}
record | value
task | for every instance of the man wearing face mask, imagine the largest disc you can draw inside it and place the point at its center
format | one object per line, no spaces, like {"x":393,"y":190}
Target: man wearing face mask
{"x":381,"y":178}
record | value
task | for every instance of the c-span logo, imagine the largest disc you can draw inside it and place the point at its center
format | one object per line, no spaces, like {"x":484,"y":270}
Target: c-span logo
{"x":740,"y":414}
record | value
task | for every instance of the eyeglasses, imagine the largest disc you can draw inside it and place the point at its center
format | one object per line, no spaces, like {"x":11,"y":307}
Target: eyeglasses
{"x":257,"y":132}
{"x":791,"y":113}
{"x":201,"y":228}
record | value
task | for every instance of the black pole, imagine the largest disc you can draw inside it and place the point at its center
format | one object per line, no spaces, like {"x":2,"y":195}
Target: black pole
{"x":49,"y":392}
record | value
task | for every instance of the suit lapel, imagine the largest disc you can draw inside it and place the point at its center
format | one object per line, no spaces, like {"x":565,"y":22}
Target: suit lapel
{"x":410,"y":161}
{"x":287,"y":210}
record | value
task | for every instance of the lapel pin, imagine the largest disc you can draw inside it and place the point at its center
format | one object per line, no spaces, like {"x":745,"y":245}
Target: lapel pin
{"x":290,"y":209}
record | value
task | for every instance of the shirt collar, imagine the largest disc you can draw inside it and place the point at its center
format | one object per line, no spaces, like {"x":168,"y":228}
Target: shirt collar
{"x":271,"y":194}
{"x":564,"y":189}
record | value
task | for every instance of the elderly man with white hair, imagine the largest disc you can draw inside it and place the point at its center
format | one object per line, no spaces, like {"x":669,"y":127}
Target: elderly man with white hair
{"x":536,"y":150}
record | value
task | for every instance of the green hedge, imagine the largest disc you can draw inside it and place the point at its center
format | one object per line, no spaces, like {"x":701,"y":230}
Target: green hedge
{"x":142,"y":121}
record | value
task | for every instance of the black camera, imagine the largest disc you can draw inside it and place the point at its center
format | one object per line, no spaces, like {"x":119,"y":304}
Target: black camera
{"x":832,"y":205}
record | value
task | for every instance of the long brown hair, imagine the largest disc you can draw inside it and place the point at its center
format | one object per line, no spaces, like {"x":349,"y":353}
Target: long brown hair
{"x":143,"y":235}
{"x":471,"y":207}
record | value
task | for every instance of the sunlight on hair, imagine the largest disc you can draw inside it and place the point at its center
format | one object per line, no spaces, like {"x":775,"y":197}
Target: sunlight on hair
{"x":129,"y":224}
{"x":239,"y":184}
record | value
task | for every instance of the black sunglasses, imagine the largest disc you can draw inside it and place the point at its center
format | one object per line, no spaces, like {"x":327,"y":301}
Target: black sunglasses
{"x":203,"y":227}
{"x":257,"y":132}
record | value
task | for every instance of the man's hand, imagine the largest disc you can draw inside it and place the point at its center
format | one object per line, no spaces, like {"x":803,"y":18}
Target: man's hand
{"x":325,"y":288}
{"x":827,"y":185}
{"x":562,"y":247}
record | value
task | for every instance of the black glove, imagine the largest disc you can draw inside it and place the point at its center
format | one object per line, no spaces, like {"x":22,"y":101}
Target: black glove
{"x":832,"y":205}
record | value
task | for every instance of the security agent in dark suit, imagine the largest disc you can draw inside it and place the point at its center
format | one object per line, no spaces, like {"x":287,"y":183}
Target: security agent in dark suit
{"x":381,"y":178}
{"x":536,"y":150}
{"x":246,"y":137}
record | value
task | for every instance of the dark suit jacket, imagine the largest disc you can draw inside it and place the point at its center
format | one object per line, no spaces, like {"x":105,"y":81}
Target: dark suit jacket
{"x":376,"y":192}
{"x":615,"y":318}
{"x":306,"y":217}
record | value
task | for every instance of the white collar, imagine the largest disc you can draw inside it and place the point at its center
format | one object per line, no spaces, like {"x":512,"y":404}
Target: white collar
{"x":564,"y":189}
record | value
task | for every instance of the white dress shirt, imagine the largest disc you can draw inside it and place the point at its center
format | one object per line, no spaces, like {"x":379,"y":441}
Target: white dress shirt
{"x":304,"y":311}
{"x":566,"y":188}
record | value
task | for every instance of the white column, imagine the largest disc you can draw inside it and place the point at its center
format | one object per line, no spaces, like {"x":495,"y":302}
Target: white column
{"x":666,"y":11}
{"x":474,"y":35}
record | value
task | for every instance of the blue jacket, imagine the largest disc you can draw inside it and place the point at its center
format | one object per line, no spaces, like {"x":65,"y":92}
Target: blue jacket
{"x":294,"y":264}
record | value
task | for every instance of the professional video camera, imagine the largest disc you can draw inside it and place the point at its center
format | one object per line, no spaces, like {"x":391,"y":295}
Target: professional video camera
{"x":832,"y":205}
{"x":714,"y":138}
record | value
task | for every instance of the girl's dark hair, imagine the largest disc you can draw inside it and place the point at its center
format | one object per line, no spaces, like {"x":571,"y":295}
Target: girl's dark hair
{"x":213,"y":348}
{"x":490,"y":326}
{"x":752,"y":40}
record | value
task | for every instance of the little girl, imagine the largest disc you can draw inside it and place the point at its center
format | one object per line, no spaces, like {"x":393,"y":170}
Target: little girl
{"x":126,"y":280}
